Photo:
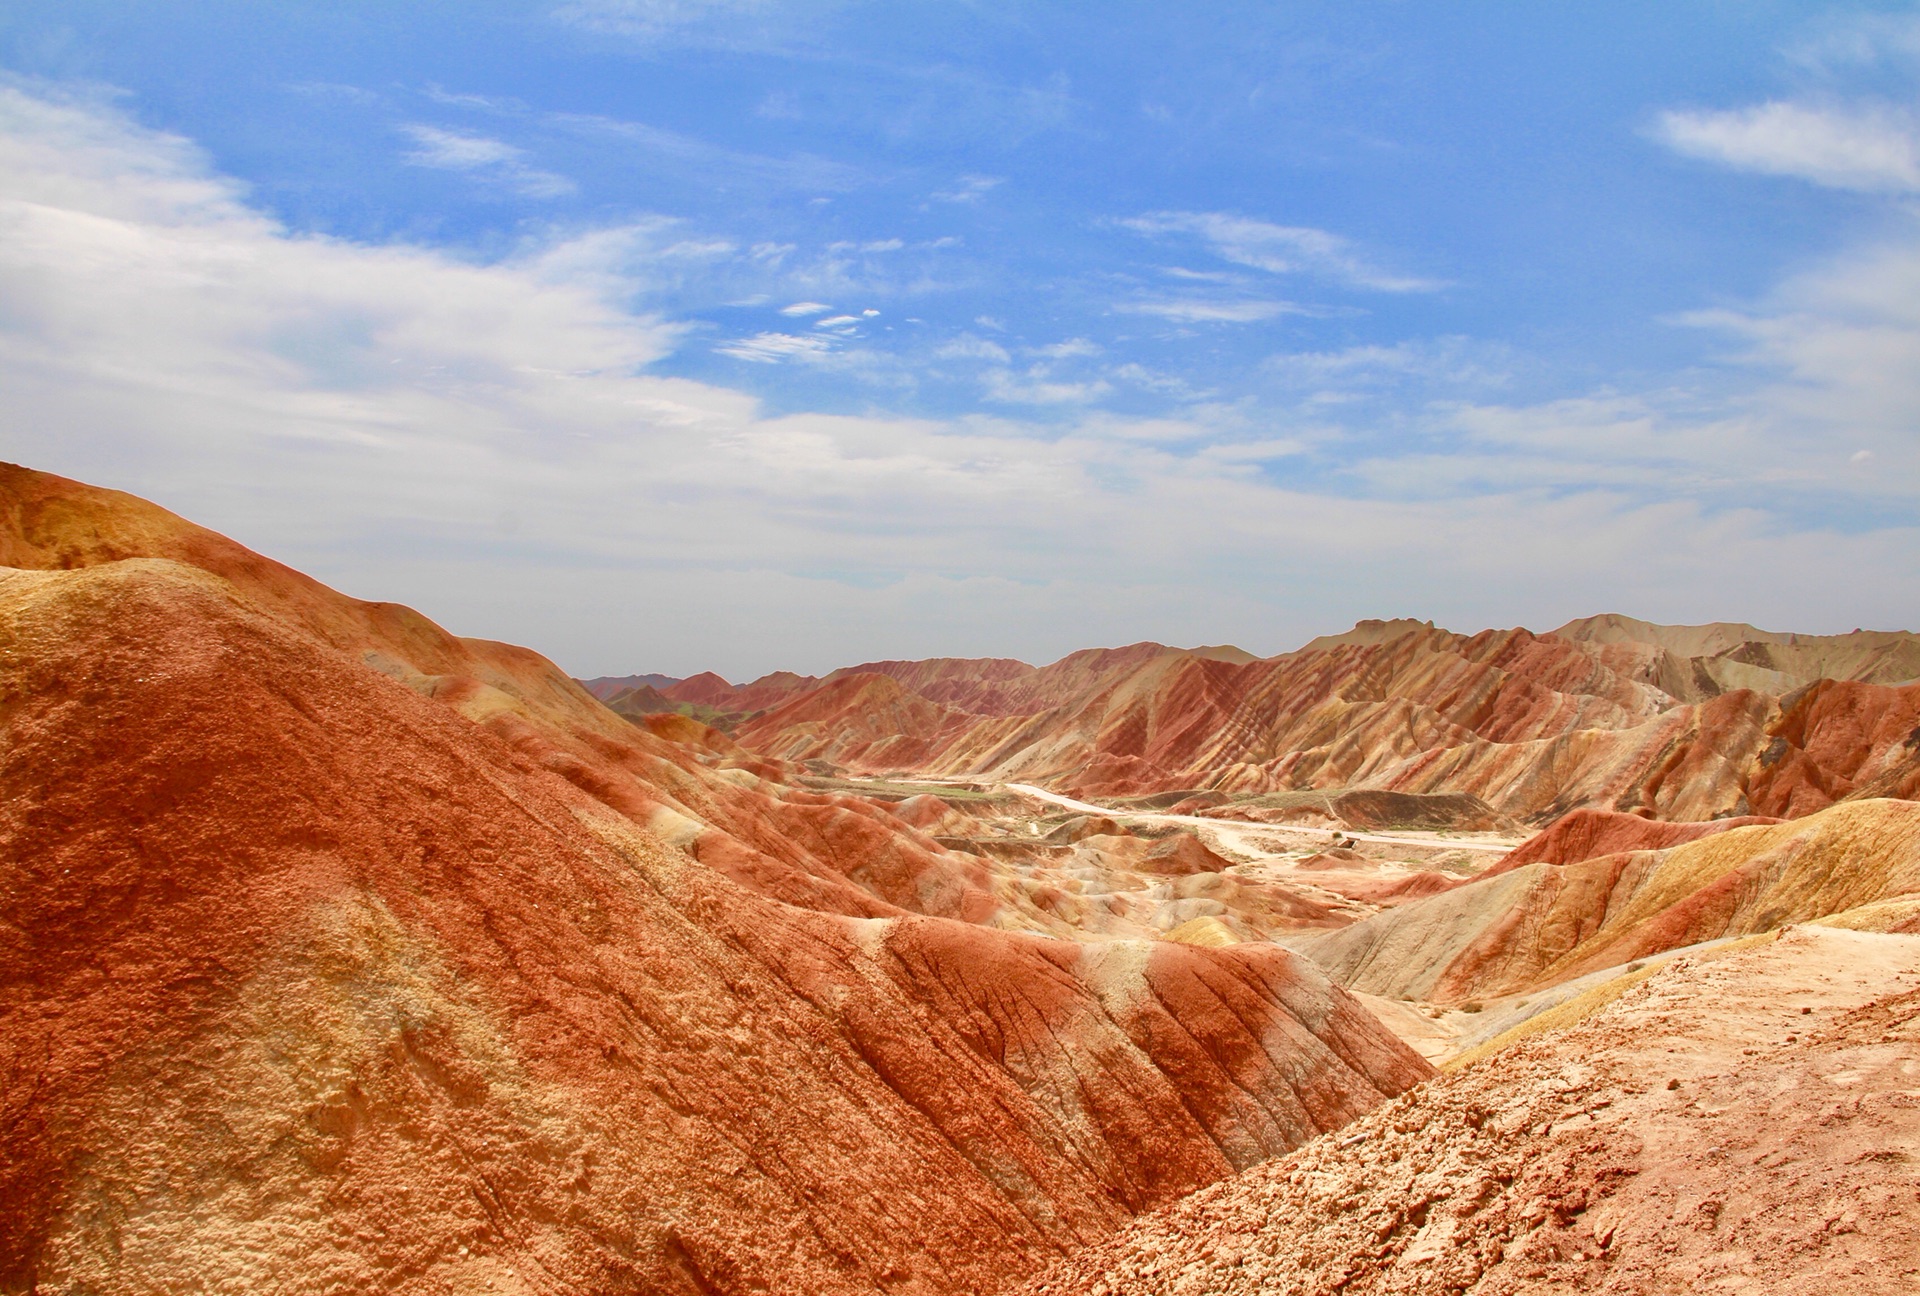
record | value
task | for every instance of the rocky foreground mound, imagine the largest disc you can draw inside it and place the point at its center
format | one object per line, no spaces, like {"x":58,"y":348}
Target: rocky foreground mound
{"x":1746,"y":1124}
{"x":342,"y":954}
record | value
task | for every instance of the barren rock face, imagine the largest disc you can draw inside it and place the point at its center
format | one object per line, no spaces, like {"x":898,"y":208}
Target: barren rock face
{"x":339,"y":954}
{"x":1746,"y":1124}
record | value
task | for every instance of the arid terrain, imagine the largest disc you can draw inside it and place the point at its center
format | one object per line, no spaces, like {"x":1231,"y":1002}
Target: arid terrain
{"x":343,"y":953}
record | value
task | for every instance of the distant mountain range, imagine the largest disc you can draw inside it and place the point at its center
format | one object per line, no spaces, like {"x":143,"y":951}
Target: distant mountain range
{"x":1678,"y":722}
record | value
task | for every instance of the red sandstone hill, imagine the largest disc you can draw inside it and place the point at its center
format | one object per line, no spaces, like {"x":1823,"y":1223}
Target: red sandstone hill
{"x":343,"y":954}
{"x":1533,"y":725}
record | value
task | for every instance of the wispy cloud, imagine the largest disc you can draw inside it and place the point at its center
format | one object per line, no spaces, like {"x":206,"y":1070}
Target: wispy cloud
{"x":1452,"y":361}
{"x":1037,"y":386}
{"x":969,"y":347}
{"x":805,"y":308}
{"x":1200,"y":310}
{"x":655,"y":20}
{"x":1846,"y":42}
{"x":489,"y":160}
{"x":1072,"y":348}
{"x":1161,"y":384}
{"x":969,"y":189}
{"x":772,"y":348}
{"x":801,"y":171}
{"x":1873,"y":149}
{"x":1278,"y":249}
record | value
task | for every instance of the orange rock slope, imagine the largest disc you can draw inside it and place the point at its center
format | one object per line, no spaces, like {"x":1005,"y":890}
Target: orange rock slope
{"x":341,"y":954}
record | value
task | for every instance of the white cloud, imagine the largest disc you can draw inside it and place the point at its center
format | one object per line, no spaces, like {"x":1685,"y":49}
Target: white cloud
{"x":1254,"y":452}
{"x":970,"y":189}
{"x":1452,"y":361}
{"x":1072,"y":348}
{"x":480,"y":103}
{"x":488,"y":159}
{"x":1874,"y":149}
{"x":1848,"y":41}
{"x":699,"y":157}
{"x":658,"y":19}
{"x":806,"y":308}
{"x":1037,"y":386}
{"x":1278,"y":249}
{"x":370,"y":412}
{"x":771,"y":348}
{"x":968,"y":347}
{"x":1152,"y":380}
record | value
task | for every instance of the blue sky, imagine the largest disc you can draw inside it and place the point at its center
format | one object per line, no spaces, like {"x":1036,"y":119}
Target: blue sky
{"x":748,"y":334}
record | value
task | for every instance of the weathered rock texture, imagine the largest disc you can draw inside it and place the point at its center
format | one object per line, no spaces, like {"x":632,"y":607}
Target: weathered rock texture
{"x":1745,"y":1125}
{"x":342,"y":954}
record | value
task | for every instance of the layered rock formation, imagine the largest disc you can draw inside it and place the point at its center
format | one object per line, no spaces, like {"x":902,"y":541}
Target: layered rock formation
{"x":343,"y":953}
{"x":340,"y":953}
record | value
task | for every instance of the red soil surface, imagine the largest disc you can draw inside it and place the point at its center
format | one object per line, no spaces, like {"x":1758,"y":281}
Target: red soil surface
{"x":1836,"y":739}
